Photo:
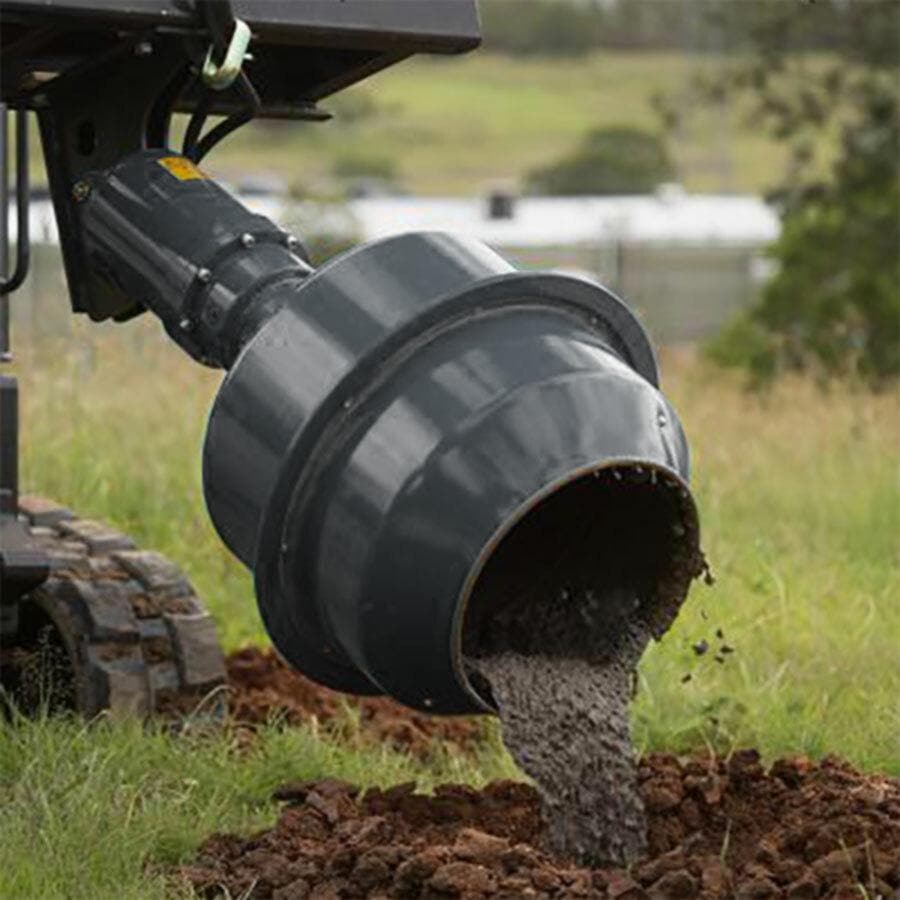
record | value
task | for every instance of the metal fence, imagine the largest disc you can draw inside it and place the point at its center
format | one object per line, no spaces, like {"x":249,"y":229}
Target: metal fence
{"x":683,"y":294}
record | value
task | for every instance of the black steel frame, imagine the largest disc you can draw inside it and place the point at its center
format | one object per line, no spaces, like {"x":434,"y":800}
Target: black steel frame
{"x":23,"y":566}
{"x":304,"y":50}
{"x":105,"y":76}
{"x":13,"y":281}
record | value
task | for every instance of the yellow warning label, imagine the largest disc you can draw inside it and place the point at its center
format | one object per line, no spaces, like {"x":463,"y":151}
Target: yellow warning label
{"x":183,"y":169}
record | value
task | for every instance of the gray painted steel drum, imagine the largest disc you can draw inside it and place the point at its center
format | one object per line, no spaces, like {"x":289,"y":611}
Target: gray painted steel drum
{"x":405,"y":406}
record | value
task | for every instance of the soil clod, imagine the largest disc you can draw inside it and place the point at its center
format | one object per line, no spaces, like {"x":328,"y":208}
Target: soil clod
{"x":717,"y":828}
{"x":265,"y":689}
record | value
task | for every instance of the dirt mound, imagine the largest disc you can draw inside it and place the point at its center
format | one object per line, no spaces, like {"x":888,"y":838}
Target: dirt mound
{"x":716,"y":829}
{"x":263,"y":687}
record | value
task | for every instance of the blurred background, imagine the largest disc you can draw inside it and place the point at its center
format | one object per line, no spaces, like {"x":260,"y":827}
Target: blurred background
{"x":729,"y":167}
{"x":654,"y":144}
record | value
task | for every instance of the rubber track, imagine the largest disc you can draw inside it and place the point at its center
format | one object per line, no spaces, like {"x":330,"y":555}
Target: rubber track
{"x":140,"y":639}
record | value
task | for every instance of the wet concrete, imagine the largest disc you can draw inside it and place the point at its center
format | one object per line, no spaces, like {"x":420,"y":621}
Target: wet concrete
{"x":565,"y":721}
{"x":557,"y":628}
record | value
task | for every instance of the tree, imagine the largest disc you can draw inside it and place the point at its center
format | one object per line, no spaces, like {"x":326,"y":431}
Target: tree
{"x":577,"y":27}
{"x":608,"y":161}
{"x":833,"y":305}
{"x":540,"y":27}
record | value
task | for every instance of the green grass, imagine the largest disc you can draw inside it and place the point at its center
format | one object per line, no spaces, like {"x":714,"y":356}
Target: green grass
{"x":800,"y":503}
{"x":100,"y":811}
{"x":457,"y":125}
{"x":113,"y":426}
{"x":460,"y":124}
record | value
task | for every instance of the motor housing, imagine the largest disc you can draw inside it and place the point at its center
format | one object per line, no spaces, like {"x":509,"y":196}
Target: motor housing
{"x":373,"y":443}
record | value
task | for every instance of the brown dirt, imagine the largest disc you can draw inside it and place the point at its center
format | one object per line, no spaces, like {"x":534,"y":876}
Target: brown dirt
{"x":717,"y":828}
{"x":264,"y":688}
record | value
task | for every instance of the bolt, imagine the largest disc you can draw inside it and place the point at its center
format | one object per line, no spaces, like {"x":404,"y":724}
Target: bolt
{"x":143,"y":48}
{"x":292,"y":242}
{"x":348,"y":403}
{"x":81,"y":191}
{"x":185,"y":324}
{"x":661,"y":418}
{"x":204,"y":275}
{"x":248,"y":240}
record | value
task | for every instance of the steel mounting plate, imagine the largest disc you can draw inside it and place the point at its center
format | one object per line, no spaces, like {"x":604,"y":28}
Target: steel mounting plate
{"x":304,"y":49}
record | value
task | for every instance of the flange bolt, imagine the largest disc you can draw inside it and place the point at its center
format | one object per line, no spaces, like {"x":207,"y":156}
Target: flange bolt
{"x":81,"y":190}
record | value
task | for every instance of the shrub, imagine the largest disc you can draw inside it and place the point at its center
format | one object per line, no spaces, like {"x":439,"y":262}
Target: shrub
{"x":361,"y":165}
{"x":608,"y":161}
{"x":540,"y":27}
{"x":833,"y":306}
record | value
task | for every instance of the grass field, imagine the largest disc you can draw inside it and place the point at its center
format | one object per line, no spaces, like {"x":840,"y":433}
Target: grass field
{"x":459,"y":125}
{"x":799,"y":494}
{"x":97,"y":811}
{"x":800,"y":500}
{"x":800,"y":497}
